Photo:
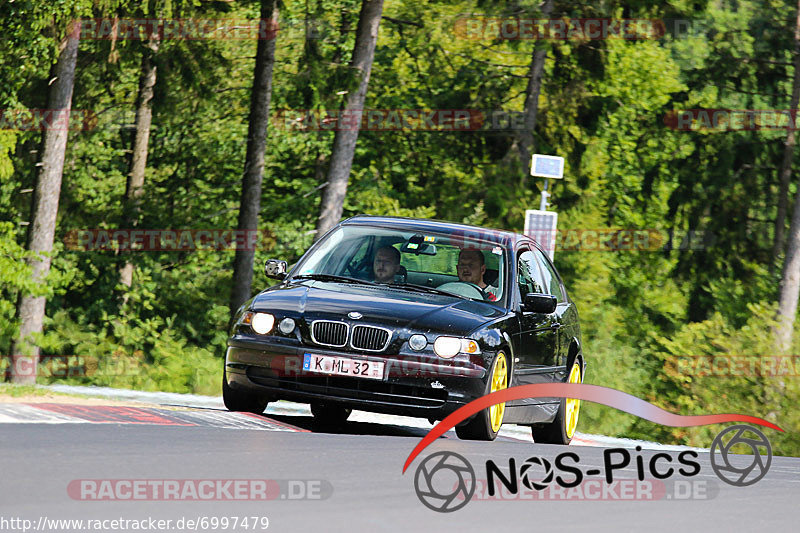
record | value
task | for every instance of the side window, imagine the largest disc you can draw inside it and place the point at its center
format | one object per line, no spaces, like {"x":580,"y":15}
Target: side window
{"x":528,"y":274}
{"x":551,"y":283}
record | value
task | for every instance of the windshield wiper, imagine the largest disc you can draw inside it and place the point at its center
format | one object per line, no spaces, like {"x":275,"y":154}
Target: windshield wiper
{"x":333,"y":277}
{"x":423,"y":288}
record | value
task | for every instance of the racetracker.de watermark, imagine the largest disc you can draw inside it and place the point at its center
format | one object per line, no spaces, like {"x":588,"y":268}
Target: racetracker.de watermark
{"x":441,"y":120}
{"x":599,"y":490}
{"x":619,"y":240}
{"x":167,"y":240}
{"x":199,"y":489}
{"x":68,"y":366}
{"x":733,"y":366}
{"x":47,"y":119}
{"x":710,"y":120}
{"x":173,"y":29}
{"x":484,"y":28}
{"x":398,"y":366}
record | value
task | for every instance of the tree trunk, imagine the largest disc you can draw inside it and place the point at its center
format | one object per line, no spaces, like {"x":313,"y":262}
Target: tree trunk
{"x":141,"y":140}
{"x":254,"y":160}
{"x":790,"y":278}
{"x":531,"y":112}
{"x":785,"y":172}
{"x":344,"y":143}
{"x":30,"y":309}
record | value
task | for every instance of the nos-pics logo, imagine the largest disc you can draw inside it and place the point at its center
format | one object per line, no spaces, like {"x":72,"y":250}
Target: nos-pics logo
{"x":445,"y":481}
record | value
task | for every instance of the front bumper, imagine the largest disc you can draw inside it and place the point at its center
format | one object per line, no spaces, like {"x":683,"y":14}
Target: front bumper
{"x":412,"y":384}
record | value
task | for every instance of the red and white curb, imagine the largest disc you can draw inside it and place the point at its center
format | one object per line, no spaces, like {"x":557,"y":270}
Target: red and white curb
{"x":57,"y":413}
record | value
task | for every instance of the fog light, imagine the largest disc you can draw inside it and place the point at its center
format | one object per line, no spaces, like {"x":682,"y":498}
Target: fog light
{"x":418,"y":342}
{"x":286,"y":326}
{"x":262,"y":323}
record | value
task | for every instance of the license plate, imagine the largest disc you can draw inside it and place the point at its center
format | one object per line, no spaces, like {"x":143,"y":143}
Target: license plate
{"x":343,"y":366}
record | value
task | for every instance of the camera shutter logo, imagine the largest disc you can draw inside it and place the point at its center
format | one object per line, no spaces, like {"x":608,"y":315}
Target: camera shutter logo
{"x":734,"y":474}
{"x":444,"y":482}
{"x":525,"y":472}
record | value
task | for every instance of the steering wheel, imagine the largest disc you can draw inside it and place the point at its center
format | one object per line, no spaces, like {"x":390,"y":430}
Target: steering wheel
{"x":361,"y":269}
{"x":463,"y":288}
{"x":352,"y":269}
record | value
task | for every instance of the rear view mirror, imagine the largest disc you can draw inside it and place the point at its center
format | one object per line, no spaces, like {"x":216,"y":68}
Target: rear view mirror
{"x":418,"y":249}
{"x":275,"y":269}
{"x":418,"y":244}
{"x":539,"y":303}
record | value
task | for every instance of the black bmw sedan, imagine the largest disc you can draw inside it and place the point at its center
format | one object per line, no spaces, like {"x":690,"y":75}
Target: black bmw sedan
{"x":410,"y":317}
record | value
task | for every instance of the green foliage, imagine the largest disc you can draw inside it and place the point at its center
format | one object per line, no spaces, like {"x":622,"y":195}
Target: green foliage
{"x":15,"y":280}
{"x":7,"y":142}
{"x":17,"y":391}
{"x":713,"y":365}
{"x":128,"y":353}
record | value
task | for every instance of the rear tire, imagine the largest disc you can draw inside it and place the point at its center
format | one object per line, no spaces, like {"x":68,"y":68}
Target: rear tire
{"x":330,"y":415}
{"x":236,"y":400}
{"x":486,"y":424}
{"x":562,"y":429}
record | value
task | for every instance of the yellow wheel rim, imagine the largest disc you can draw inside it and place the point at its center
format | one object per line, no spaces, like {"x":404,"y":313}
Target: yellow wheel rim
{"x":573,"y":405}
{"x":499,"y":382}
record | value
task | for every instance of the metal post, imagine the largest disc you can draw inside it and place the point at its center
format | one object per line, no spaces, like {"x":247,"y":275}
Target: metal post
{"x":545,"y":195}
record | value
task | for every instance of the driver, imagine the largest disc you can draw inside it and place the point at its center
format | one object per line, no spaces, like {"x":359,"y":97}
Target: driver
{"x":386,"y":264}
{"x":471,"y":267}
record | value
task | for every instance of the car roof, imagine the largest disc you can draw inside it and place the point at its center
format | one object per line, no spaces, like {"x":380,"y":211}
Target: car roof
{"x":440,"y":226}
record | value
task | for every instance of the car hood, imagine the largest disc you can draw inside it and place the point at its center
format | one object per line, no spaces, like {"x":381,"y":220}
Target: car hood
{"x":395,"y":308}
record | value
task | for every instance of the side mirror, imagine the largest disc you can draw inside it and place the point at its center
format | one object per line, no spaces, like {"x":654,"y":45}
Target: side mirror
{"x":275,"y":268}
{"x":539,"y":303}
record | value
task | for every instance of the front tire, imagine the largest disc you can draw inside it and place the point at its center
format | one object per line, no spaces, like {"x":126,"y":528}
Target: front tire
{"x":562,"y":429}
{"x":486,"y":424}
{"x":236,"y":400}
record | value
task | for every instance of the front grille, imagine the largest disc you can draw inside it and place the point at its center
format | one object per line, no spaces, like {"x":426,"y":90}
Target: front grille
{"x":370,"y":338}
{"x":329,"y":333}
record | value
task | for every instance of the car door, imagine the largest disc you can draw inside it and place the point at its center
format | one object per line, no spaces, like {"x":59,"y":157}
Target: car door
{"x":562,"y":319}
{"x":537,"y":343}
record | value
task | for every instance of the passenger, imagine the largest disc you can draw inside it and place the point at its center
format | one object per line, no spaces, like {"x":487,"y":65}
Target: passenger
{"x":386,"y":264}
{"x":471,"y":267}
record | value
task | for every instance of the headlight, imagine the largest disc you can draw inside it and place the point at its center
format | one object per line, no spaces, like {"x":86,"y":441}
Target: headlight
{"x":448,"y":347}
{"x":418,"y":342}
{"x":261,"y":323}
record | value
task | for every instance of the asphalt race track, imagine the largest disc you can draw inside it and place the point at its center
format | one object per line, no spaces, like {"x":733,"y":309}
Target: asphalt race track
{"x":349,"y":479}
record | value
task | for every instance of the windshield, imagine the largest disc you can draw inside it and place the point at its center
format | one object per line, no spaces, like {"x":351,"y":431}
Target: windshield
{"x":467,"y":266}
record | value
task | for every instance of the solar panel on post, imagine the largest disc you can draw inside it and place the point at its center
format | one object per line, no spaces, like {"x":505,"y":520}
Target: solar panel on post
{"x":541,"y":227}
